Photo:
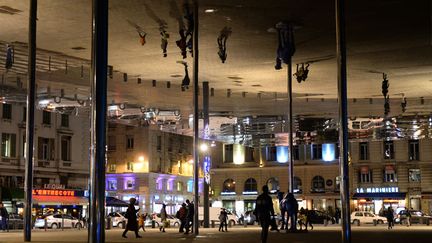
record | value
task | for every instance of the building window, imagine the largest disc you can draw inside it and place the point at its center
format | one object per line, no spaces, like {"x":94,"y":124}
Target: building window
{"x":389,"y":174}
{"x":318,"y":184}
{"x":46,"y":149}
{"x":159,"y":143}
{"x":273,"y":184}
{"x":169,"y":185}
{"x":189,"y":186}
{"x":129,"y":183}
{"x":337,"y":184}
{"x":170,"y":144}
{"x":112,"y":167}
{"x":112,"y":185}
{"x":228,"y":152}
{"x":296,"y":152}
{"x":250,"y":185}
{"x":111,"y":143}
{"x":249,"y":154}
{"x":316,"y":151}
{"x":7,"y":111}
{"x":46,"y":117}
{"x":364,"y":151}
{"x":66,"y":148}
{"x":388,"y":150}
{"x":365,"y":175}
{"x":413,"y":150}
{"x":8,"y":145}
{"x":129,"y":142}
{"x":271,"y":153}
{"x":297,"y":185}
{"x":179,"y":186}
{"x":129,"y":166}
{"x":228,"y":185}
{"x":414,"y":175}
{"x":64,"y":120}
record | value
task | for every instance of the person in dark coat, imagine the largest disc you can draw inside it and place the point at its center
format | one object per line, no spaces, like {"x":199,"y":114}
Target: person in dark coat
{"x":4,"y":218}
{"x":223,"y":217}
{"x":181,"y":215}
{"x":264,"y":211}
{"x":292,"y":210}
{"x":189,"y":216}
{"x":131,"y":215}
{"x":390,"y":217}
{"x":337,"y":215}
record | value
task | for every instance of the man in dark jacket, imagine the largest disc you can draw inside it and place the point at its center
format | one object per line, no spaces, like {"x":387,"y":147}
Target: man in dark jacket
{"x":181,"y":215}
{"x":131,"y":215}
{"x":189,"y":216}
{"x":264,"y":210}
{"x":4,"y":217}
{"x":292,"y":210}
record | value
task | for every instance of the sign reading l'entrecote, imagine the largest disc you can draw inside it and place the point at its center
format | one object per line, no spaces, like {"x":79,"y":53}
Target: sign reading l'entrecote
{"x":62,"y":193}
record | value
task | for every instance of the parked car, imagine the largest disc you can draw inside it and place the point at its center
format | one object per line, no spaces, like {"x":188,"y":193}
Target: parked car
{"x":173,"y":221}
{"x":363,"y":217}
{"x":16,"y":221}
{"x":417,"y":217}
{"x":54,"y":221}
{"x":320,"y":217}
{"x":118,"y":219}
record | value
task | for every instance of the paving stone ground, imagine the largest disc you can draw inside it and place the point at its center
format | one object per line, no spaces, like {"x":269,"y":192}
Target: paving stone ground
{"x":330,"y":234}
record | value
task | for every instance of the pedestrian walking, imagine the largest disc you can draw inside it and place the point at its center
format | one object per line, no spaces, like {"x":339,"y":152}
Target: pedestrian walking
{"x":292,"y":210}
{"x":408,"y":217}
{"x":189,"y":216}
{"x":223,"y":217}
{"x":264,"y":211}
{"x":337,"y":215}
{"x":4,"y":215}
{"x":141,"y":221}
{"x":163,"y":216}
{"x":308,"y":219}
{"x":131,"y":215}
{"x":390,"y":217}
{"x":181,"y":215}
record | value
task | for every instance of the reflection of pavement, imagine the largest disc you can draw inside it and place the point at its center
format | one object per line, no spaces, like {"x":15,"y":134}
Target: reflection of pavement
{"x":250,"y":234}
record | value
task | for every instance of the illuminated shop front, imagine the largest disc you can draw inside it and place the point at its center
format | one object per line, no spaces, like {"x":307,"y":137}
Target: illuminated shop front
{"x":374,"y":199}
{"x":71,"y":202}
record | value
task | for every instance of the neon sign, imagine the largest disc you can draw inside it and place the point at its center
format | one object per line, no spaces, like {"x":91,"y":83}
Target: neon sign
{"x":377,"y":190}
{"x":62,"y":193}
{"x":207,"y":165}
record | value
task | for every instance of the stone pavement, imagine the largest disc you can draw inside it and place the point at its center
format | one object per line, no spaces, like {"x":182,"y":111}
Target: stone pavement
{"x":330,"y":234}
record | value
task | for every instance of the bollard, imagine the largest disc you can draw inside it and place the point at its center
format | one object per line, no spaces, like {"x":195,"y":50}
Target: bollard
{"x":153,"y":224}
{"x":244,"y":223}
{"x":213,"y":224}
{"x":46,"y":224}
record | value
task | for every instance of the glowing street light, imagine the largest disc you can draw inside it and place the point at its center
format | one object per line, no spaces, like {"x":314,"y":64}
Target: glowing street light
{"x":203,"y":147}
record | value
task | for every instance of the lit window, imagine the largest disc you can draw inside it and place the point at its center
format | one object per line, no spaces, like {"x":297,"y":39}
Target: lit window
{"x":229,"y":185}
{"x":190,"y":186}
{"x":389,"y":174}
{"x":179,"y":186}
{"x":112,"y":184}
{"x":414,"y":175}
{"x":8,"y":145}
{"x":365,"y":175}
{"x":129,"y":183}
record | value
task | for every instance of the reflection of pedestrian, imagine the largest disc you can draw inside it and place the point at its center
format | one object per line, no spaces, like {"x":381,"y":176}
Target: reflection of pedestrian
{"x":4,"y":218}
{"x":223,"y":216}
{"x":131,"y":215}
{"x":264,"y":210}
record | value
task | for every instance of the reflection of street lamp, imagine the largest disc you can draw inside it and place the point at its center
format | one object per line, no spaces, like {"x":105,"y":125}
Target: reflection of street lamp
{"x":203,"y":147}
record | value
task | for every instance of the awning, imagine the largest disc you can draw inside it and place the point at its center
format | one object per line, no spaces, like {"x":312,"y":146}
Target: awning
{"x":384,"y":195}
{"x":59,"y":200}
{"x":114,"y":202}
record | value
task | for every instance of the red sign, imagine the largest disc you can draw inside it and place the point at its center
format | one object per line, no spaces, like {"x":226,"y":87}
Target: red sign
{"x":44,"y":192}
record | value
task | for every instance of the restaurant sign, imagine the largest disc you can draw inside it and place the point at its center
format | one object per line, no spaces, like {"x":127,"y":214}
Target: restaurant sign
{"x":62,"y":193}
{"x":377,"y":189}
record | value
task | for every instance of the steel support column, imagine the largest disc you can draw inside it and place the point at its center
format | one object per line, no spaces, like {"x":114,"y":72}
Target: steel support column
{"x":99,"y":60}
{"x":30,"y":119}
{"x":343,"y":119}
{"x":195,"y":117}
{"x":206,"y":202}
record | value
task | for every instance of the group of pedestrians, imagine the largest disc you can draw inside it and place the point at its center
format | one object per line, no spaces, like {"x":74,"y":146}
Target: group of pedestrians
{"x":186,"y":216}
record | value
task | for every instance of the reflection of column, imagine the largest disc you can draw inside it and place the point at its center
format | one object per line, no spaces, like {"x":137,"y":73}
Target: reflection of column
{"x":206,"y":203}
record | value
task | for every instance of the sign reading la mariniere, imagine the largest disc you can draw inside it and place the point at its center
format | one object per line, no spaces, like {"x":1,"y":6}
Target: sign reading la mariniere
{"x":377,"y":190}
{"x":62,"y":193}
